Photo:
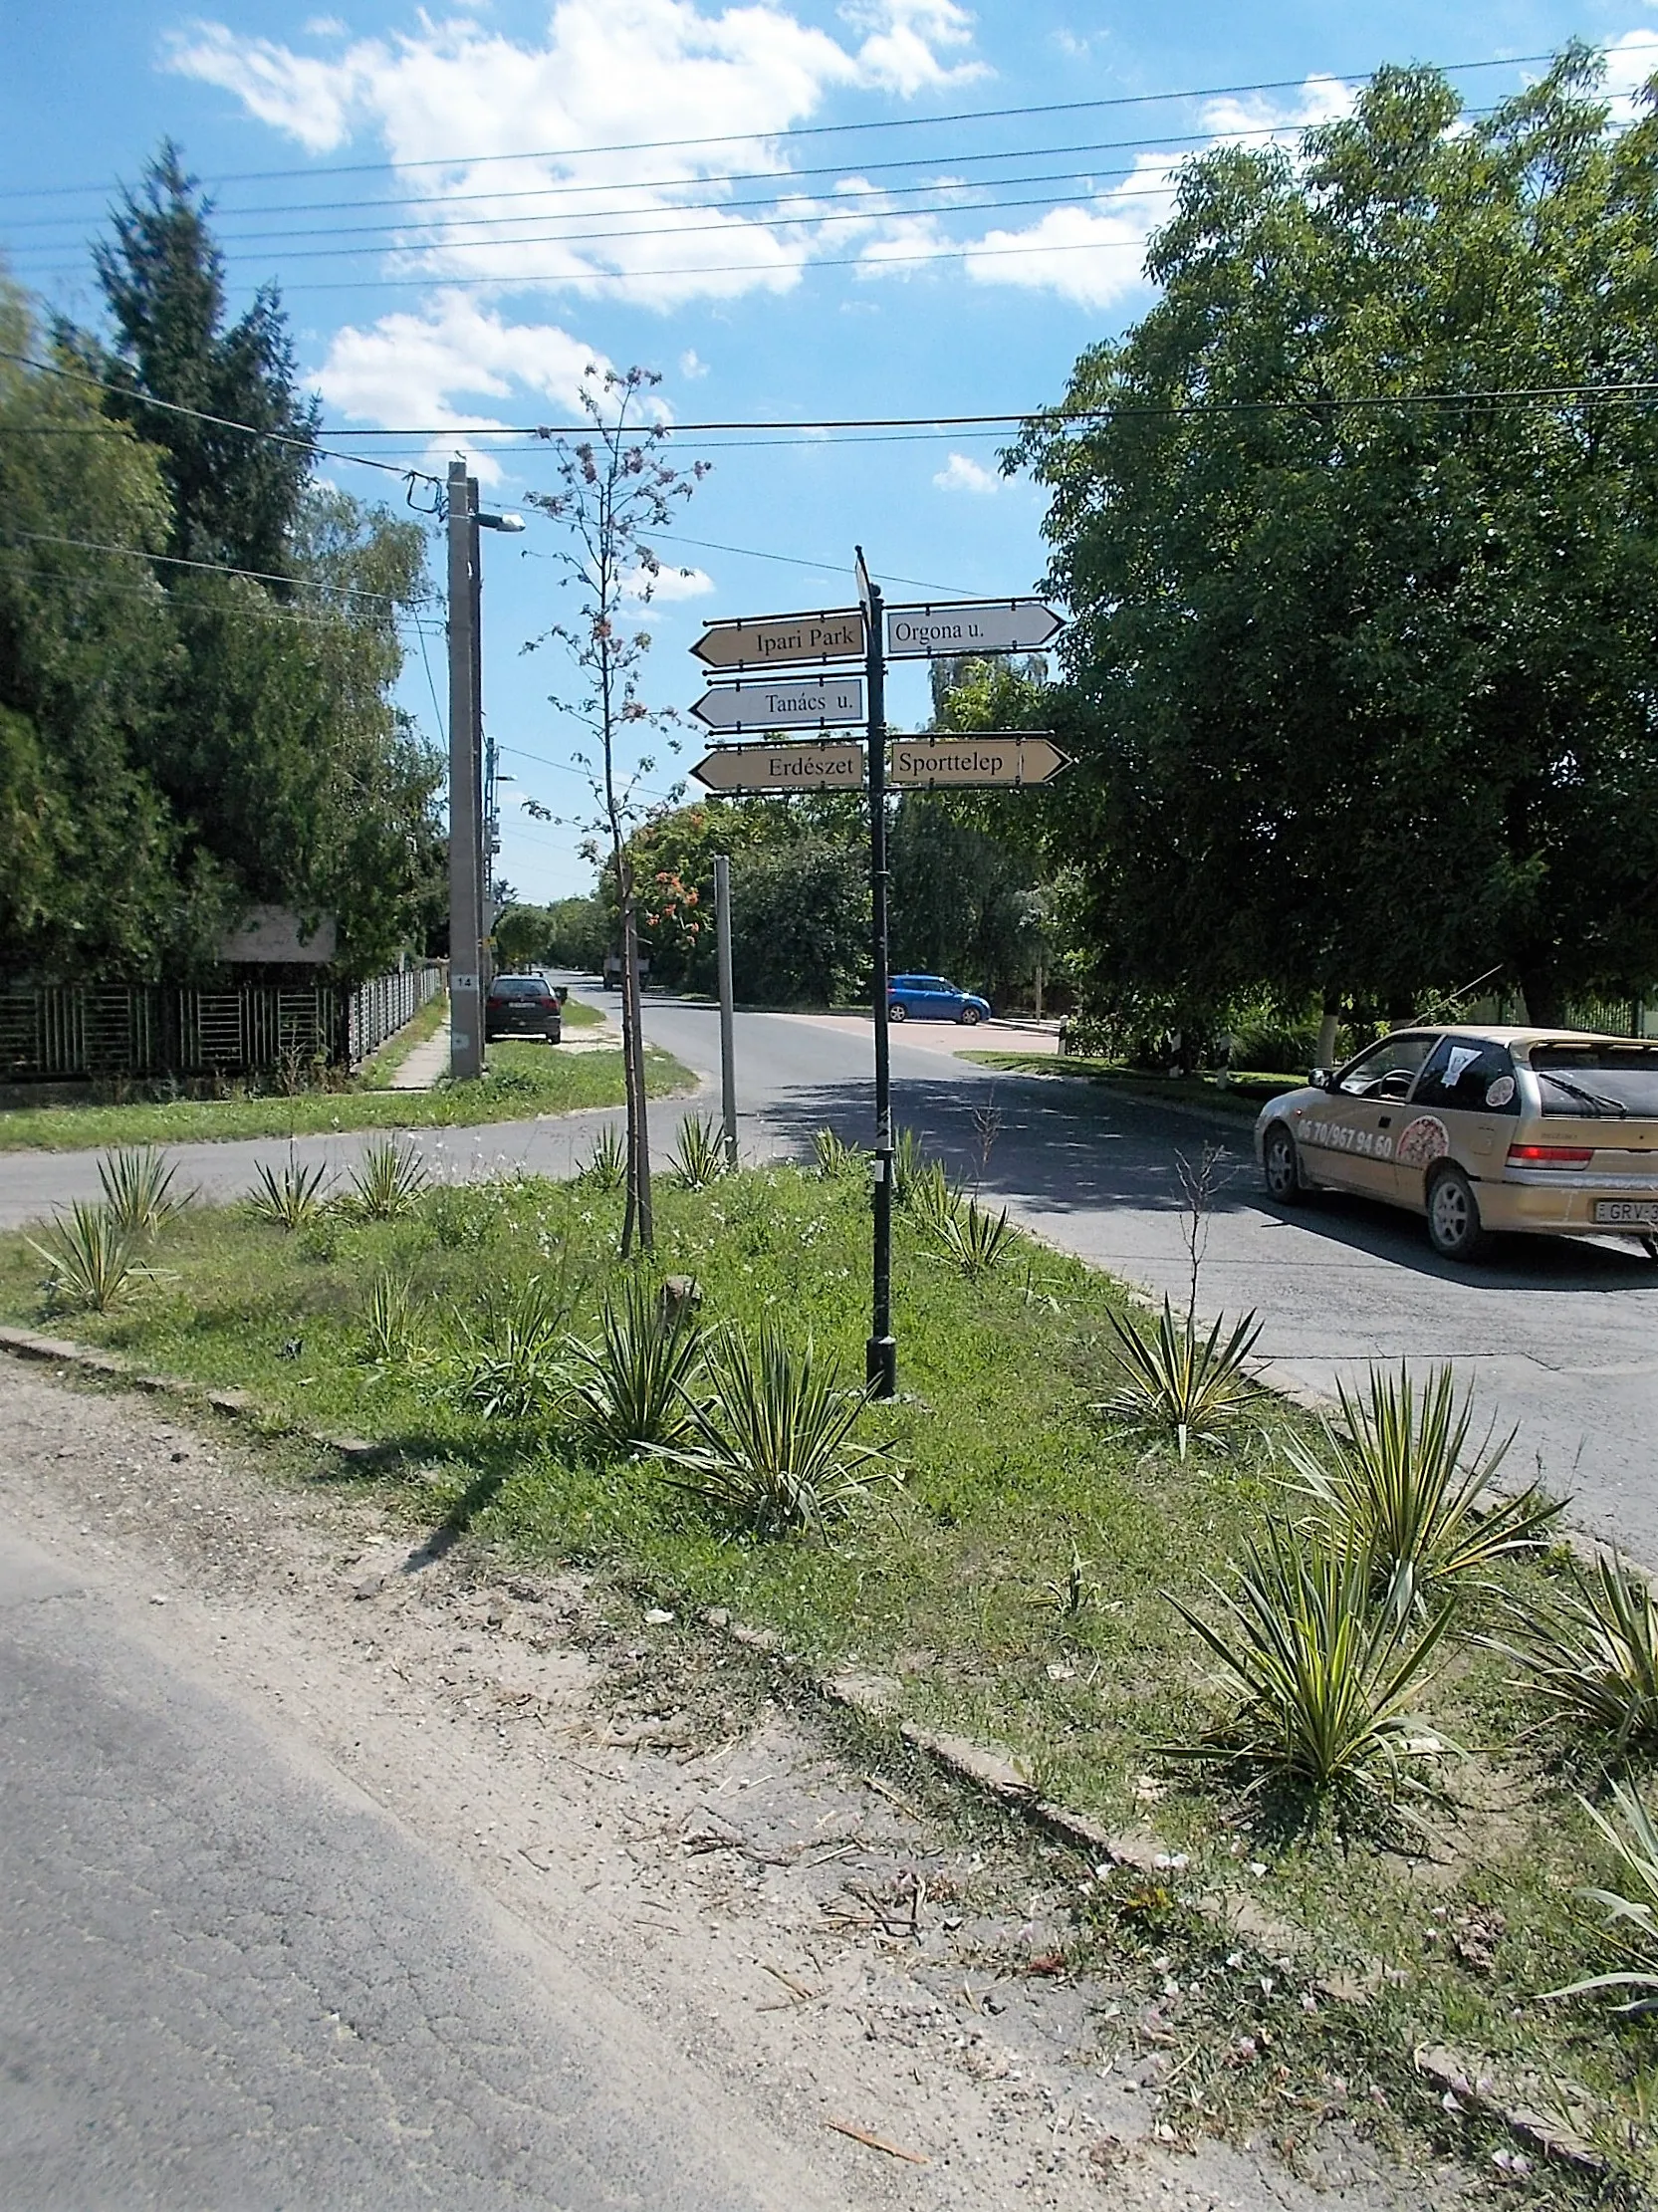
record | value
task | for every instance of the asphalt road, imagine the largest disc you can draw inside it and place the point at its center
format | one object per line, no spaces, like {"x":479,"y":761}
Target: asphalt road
{"x":231,"y":1979}
{"x":1559,"y":1337}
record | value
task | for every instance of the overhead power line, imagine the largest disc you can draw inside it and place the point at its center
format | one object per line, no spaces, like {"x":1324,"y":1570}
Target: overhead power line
{"x":787,"y":184}
{"x":223,"y":567}
{"x":218,"y":421}
{"x":796,"y":131}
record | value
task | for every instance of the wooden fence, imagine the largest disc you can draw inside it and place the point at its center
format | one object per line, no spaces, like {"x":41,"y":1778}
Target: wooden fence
{"x":83,"y":1032}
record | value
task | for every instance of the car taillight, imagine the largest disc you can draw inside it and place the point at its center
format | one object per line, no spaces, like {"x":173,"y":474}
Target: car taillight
{"x":548,"y":1006}
{"x":1549,"y":1155}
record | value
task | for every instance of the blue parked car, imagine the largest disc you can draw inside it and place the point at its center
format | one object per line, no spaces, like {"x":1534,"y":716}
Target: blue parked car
{"x":928,"y":998}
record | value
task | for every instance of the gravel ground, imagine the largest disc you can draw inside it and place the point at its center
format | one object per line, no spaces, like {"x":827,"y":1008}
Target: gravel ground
{"x":771,"y":1919}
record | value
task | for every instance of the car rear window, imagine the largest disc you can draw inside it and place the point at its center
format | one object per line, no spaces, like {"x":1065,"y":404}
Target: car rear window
{"x":1471,"y":1075}
{"x":1599,"y":1079}
{"x":519,"y":987}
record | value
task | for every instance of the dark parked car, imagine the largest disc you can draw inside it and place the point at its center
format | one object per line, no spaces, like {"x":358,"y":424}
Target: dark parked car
{"x":929,"y":998}
{"x":523,"y":1006}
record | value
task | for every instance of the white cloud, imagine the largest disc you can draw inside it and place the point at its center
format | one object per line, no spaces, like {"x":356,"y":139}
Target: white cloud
{"x":960,"y":474}
{"x":1630,"y":60}
{"x":667,"y":585}
{"x":414,"y":369}
{"x":1094,"y":252}
{"x":902,"y":34}
{"x":691,"y":366}
{"x":607,"y":73}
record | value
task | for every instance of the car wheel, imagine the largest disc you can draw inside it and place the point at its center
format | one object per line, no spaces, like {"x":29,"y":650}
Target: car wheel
{"x":896,"y":1013}
{"x":969,"y":1017}
{"x":1281,"y":1167}
{"x":1649,"y":1245}
{"x":1454,"y":1215}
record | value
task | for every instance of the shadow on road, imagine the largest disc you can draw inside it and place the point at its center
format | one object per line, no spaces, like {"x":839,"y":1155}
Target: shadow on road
{"x":1070,"y":1155}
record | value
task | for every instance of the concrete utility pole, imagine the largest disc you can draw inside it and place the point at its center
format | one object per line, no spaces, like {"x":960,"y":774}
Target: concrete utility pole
{"x":466,"y":1009}
{"x":472,"y":836}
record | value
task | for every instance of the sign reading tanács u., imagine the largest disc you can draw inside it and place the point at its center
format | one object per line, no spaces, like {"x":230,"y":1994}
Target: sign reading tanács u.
{"x":791,"y":703}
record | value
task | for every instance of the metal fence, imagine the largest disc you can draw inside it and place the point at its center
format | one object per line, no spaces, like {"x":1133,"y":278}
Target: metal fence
{"x":75,"y":1032}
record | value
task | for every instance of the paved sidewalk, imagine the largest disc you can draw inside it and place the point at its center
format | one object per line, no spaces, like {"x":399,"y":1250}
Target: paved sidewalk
{"x":425,"y":1065}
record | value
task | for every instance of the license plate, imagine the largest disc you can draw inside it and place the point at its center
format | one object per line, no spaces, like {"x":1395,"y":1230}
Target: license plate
{"x":1615,"y":1213}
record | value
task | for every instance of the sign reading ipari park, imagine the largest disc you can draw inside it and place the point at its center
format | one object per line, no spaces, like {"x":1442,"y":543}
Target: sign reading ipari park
{"x":783,"y":640}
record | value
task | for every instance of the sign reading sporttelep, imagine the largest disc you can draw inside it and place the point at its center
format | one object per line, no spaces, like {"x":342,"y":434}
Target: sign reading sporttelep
{"x":992,"y":757}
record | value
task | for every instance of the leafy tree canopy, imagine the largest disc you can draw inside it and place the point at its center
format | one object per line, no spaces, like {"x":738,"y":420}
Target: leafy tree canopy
{"x":1361,"y":669}
{"x":235,"y":498}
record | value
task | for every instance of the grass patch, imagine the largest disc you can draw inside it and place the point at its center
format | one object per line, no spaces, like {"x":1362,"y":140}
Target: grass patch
{"x":1242,"y":1092}
{"x":580,"y":1016}
{"x":523,"y":1080}
{"x":1025,"y":1586}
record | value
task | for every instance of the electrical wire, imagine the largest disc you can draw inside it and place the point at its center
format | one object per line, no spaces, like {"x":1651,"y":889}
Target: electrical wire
{"x":1164,"y":142}
{"x":268,"y":612}
{"x":223,"y":568}
{"x":798,"y":132}
{"x":219,"y":421}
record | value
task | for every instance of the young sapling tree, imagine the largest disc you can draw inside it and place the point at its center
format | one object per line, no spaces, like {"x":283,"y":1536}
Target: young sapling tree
{"x":615,"y":490}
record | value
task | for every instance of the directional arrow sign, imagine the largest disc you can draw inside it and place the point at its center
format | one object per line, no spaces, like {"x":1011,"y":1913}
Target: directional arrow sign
{"x":797,"y":703}
{"x":948,"y":627}
{"x":782,"y":768}
{"x":997,"y":757}
{"x":783,"y":640}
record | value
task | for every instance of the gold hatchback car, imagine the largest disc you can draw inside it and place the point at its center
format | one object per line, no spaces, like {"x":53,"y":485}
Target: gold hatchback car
{"x":1552,"y":1131}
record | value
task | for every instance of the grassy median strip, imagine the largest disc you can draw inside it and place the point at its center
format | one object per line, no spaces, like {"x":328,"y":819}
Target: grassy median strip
{"x":523,"y":1080}
{"x":1244,"y":1093}
{"x":1044,"y":1577}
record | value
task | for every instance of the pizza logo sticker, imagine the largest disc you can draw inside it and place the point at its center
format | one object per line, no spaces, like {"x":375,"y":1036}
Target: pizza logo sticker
{"x":1500,"y":1093}
{"x":1426,"y":1140}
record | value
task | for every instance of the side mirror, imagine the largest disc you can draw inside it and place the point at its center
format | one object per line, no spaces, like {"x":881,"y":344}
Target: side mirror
{"x":1322,"y":1079}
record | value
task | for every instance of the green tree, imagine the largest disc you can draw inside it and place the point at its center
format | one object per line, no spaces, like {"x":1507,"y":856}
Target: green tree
{"x":1361,"y":662}
{"x":91,"y":871}
{"x":235,"y":498}
{"x":800,"y":922}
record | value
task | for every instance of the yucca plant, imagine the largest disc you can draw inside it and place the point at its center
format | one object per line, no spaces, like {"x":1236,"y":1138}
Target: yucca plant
{"x":291,"y":1200}
{"x":513,"y":1362}
{"x":606,"y":1167}
{"x":1175,"y":1384}
{"x":701,"y":1158}
{"x":90,"y":1260}
{"x":835,"y":1158}
{"x":1396,"y":1473}
{"x":1592,"y":1655}
{"x":1324,"y":1674}
{"x":1629,"y":1914}
{"x":631,"y":1390}
{"x":908,"y":1164}
{"x":138,"y":1191}
{"x":391,"y":1178}
{"x":975,"y":1240}
{"x":390,"y":1335}
{"x":772,"y":1450}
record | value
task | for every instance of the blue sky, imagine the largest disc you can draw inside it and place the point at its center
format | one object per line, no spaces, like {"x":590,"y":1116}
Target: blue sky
{"x":443,"y":199}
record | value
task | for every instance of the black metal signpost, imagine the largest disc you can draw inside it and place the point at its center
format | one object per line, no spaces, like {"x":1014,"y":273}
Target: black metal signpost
{"x":881,"y":1353}
{"x":733,"y":649}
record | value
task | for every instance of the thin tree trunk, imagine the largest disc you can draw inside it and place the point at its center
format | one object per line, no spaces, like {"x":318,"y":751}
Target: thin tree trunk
{"x":638,"y":1192}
